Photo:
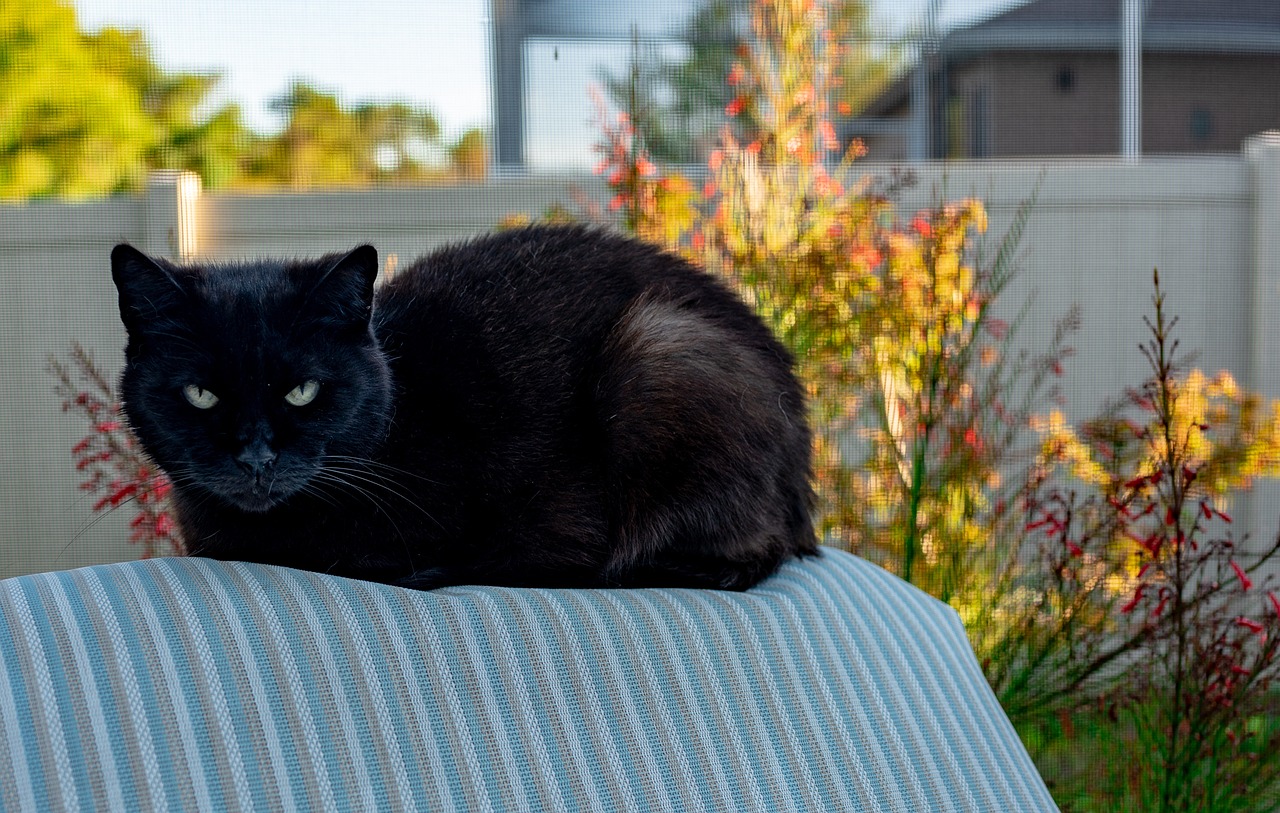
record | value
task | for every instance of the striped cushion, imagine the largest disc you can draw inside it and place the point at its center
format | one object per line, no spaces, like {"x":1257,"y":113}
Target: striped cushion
{"x":187,"y":684}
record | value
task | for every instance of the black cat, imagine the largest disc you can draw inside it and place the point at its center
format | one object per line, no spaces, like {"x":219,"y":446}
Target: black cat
{"x":544,"y":406}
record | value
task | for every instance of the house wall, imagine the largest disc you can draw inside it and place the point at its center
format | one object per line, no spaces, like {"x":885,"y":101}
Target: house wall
{"x":1031,"y":114}
{"x":1098,"y":228}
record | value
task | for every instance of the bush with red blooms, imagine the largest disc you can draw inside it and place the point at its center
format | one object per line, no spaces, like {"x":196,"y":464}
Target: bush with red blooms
{"x":1095,"y":570}
{"x":109,"y":459}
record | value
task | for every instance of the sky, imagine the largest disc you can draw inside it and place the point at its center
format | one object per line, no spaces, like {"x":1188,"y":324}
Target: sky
{"x":432,"y":53}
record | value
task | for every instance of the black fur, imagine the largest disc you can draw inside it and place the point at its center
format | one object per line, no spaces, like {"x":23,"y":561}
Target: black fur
{"x":544,"y":406}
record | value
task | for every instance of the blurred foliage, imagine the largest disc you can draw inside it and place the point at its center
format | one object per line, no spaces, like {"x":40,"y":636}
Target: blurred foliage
{"x":324,"y":144}
{"x":68,"y":125}
{"x":209,"y":145}
{"x":679,"y":103}
{"x":90,"y":114}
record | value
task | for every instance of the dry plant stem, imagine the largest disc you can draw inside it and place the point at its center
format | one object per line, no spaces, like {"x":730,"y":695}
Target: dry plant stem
{"x":1160,"y":361}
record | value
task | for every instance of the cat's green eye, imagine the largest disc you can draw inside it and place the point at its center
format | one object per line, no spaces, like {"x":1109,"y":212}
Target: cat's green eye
{"x":303,"y":394}
{"x":198,"y":397}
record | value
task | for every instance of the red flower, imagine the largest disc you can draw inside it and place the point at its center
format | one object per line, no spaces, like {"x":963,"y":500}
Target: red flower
{"x":1252,"y":626}
{"x":922,"y":227}
{"x":164,"y":525}
{"x":1121,"y":507}
{"x":123,"y":493}
{"x":734,"y":107}
{"x":1152,"y":544}
{"x":1245,"y":582}
{"x":972,"y":439}
{"x":1133,"y":602}
{"x":867,"y":255}
{"x":1159,"y":608}
{"x":828,"y":133}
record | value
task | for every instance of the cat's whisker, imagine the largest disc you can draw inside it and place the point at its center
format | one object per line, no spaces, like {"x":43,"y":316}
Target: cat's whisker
{"x":384,"y":484}
{"x":335,"y":471}
{"x":365,"y":475}
{"x":177,"y":477}
{"x":374,"y":464}
{"x":347,"y":477}
{"x":381,"y":505}
{"x":85,"y":528}
{"x":315,"y":491}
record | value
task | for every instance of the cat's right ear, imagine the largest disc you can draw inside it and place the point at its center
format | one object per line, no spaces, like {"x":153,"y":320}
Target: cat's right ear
{"x":147,"y":288}
{"x":344,"y":291}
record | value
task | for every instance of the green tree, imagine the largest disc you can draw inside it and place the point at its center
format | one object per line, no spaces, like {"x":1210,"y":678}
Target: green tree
{"x":469,"y":155}
{"x":213,"y":145}
{"x":325,"y":144}
{"x":68,"y":126}
{"x":84,"y":114}
{"x":396,"y":140}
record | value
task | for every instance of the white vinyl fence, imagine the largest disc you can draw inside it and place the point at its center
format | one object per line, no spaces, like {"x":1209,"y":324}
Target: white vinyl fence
{"x":1098,"y":228}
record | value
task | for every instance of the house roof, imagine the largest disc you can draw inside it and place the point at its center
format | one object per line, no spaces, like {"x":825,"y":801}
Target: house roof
{"x":1185,"y":26}
{"x":1239,"y":26}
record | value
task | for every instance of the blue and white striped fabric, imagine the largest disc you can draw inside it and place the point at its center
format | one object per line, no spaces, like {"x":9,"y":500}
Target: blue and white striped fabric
{"x":188,"y":684}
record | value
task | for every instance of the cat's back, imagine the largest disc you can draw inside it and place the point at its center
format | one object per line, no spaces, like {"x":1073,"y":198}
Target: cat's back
{"x":538,"y":275}
{"x":599,"y":378}
{"x":539,"y":288}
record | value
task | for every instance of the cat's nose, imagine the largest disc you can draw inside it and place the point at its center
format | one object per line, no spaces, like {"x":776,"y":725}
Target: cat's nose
{"x":256,"y":459}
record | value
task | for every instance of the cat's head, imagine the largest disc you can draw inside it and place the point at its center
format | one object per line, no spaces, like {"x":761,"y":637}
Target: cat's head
{"x":240,"y":379}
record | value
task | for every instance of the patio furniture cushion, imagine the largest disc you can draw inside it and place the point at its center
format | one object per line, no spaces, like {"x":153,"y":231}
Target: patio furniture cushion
{"x":190,"y":684}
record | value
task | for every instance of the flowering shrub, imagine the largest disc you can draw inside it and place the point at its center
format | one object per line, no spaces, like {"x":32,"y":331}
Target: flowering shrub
{"x":1093,"y":569}
{"x":109,"y":459}
{"x":1151,"y":606}
{"x":888,"y":316}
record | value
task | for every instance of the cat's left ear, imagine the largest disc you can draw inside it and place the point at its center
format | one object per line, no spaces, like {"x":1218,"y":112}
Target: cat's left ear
{"x":345,"y":288}
{"x":147,"y":287}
